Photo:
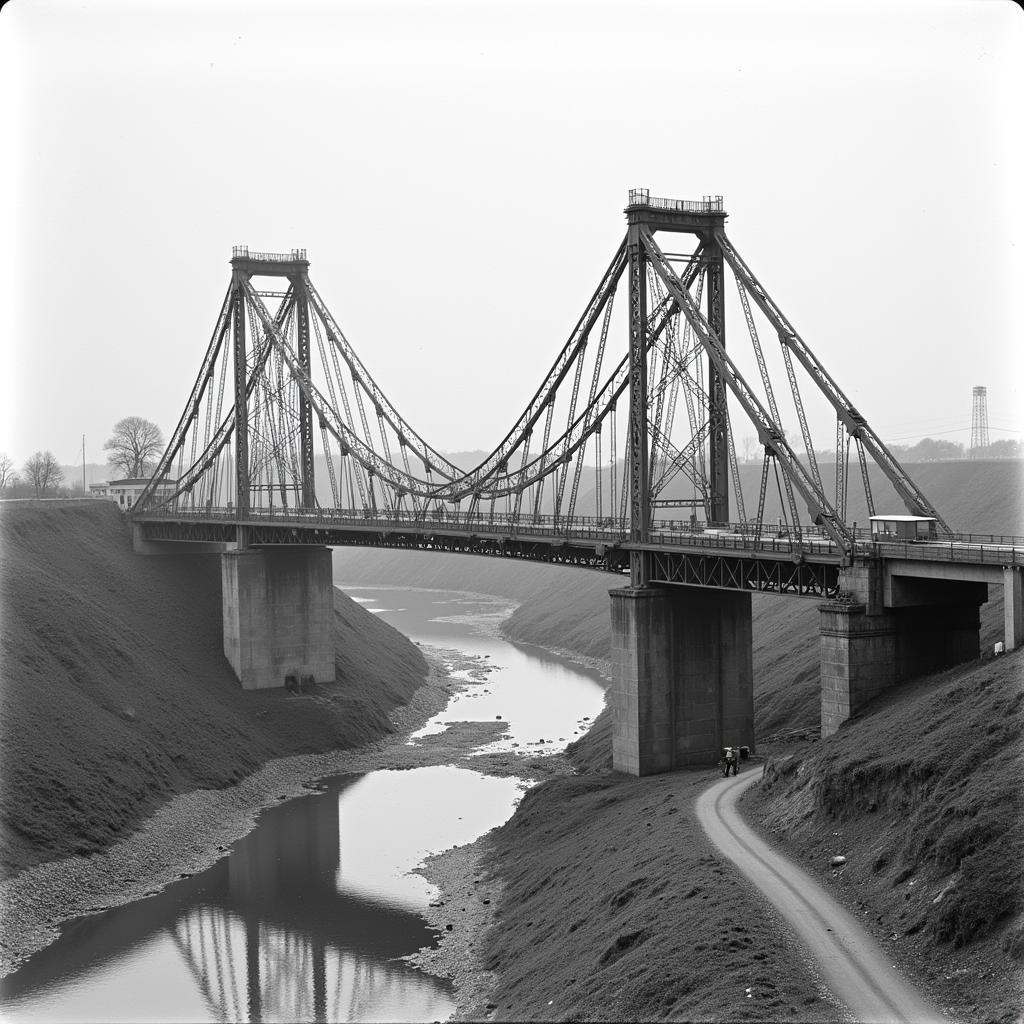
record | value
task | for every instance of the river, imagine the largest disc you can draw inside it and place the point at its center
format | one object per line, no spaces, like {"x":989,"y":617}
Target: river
{"x":308,"y":916}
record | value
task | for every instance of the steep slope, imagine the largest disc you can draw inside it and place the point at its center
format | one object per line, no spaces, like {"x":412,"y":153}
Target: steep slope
{"x":614,"y":906}
{"x":116,"y":693}
{"x":923,"y":794}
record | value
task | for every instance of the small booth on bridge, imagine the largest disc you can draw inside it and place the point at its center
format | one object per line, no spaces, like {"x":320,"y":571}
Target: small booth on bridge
{"x":902,"y":528}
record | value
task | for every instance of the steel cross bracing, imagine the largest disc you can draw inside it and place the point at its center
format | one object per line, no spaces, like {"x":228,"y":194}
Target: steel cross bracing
{"x":306,"y":430}
{"x":853,"y":421}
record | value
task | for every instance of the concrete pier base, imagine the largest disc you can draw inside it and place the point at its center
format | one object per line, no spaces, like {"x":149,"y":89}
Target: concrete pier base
{"x":866,"y":647}
{"x":1013,"y":607}
{"x":278,"y":614}
{"x":683,"y":676}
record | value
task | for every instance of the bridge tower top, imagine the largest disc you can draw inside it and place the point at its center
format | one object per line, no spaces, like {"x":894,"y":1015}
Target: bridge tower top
{"x":269,"y":264}
{"x":693,"y":216}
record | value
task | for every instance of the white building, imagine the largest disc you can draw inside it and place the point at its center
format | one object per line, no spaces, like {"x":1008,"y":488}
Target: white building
{"x":124,"y":493}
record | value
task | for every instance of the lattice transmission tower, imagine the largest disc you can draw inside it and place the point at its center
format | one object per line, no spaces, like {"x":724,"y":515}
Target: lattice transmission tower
{"x":979,"y":421}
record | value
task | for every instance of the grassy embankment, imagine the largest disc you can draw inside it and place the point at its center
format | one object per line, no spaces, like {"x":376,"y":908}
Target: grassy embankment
{"x":116,"y":694}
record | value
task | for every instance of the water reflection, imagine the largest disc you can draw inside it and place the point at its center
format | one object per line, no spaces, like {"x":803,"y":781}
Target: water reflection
{"x":252,"y":971}
{"x":309,"y":915}
{"x":279,"y":929}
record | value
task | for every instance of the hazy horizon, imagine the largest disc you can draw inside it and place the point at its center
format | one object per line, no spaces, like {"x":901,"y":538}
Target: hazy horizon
{"x":458,"y":174}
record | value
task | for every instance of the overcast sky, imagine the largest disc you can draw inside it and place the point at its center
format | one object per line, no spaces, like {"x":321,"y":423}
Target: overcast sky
{"x":458,"y":171}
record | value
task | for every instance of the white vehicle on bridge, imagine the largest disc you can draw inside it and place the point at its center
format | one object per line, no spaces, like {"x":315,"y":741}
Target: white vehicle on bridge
{"x":903,"y":528}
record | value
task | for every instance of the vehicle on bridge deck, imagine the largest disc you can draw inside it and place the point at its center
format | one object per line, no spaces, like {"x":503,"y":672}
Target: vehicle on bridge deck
{"x":903,"y":528}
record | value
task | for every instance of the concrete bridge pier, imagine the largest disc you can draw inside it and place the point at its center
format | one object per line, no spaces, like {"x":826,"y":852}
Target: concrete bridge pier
{"x":1013,"y":607}
{"x":885,"y":629}
{"x":278,"y":614}
{"x":683,"y":676}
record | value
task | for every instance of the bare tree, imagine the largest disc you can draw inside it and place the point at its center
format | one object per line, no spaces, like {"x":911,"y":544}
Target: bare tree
{"x":134,"y":446}
{"x":42,"y":471}
{"x":8,"y":478}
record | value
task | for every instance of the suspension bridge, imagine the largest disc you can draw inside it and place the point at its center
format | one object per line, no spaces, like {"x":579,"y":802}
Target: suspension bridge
{"x":625,"y":459}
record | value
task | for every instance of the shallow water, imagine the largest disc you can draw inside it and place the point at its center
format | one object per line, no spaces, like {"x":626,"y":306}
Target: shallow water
{"x":308,"y":916}
{"x":539,"y":695}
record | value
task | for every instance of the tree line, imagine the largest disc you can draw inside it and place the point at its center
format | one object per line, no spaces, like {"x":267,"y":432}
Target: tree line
{"x":133,"y":449}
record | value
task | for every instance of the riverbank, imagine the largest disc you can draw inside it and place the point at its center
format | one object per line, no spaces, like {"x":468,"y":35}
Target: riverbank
{"x":116,"y":695}
{"x":193,"y":830}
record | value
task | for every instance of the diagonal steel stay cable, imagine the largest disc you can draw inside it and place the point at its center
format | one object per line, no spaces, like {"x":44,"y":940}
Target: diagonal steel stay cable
{"x":387,"y":472}
{"x":842,"y":466}
{"x":325,"y":434}
{"x":755,"y":340}
{"x":427,"y":454}
{"x":192,"y":405}
{"x":571,"y":351}
{"x":354,"y":469}
{"x":515,"y":438}
{"x":854,"y":422}
{"x":805,"y":431}
{"x":562,"y":448}
{"x":539,"y":488}
{"x":656,"y":422}
{"x":766,"y":380}
{"x":862,"y":458}
{"x":460,"y":483}
{"x":596,"y":376}
{"x":768,"y":430}
{"x":734,"y":468}
{"x":365,"y":454}
{"x":563,"y":475}
{"x":217,"y":442}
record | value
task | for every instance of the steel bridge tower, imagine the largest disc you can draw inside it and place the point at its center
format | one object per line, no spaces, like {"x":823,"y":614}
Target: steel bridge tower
{"x":702,"y":219}
{"x":245,"y":265}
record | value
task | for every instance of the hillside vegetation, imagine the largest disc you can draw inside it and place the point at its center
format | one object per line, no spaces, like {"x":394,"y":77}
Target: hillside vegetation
{"x":116,"y":693}
{"x":923,"y":793}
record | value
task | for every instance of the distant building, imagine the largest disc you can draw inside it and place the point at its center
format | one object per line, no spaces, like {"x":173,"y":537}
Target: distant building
{"x":124,"y":493}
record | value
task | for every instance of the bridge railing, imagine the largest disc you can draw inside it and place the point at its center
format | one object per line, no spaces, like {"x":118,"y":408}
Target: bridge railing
{"x":642,"y":197}
{"x":242,"y":252}
{"x":946,"y":551}
{"x":738,"y":537}
{"x":588,"y":529}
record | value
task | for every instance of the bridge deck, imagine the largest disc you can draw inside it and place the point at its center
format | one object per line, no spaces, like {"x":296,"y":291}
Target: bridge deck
{"x":805,"y":566}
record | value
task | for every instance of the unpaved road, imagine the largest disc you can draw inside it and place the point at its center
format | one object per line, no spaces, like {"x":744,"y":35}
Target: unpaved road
{"x":852,"y":964}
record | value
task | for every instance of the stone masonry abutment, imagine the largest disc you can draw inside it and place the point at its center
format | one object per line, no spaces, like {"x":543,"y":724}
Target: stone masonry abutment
{"x":867,"y":647}
{"x":683,"y":676}
{"x":278,"y":607}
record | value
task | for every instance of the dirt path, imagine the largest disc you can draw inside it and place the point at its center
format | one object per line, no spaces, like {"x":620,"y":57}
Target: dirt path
{"x":852,"y":964}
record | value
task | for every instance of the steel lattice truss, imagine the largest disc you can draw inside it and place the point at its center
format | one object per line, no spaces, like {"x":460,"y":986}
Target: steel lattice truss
{"x":635,"y":427}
